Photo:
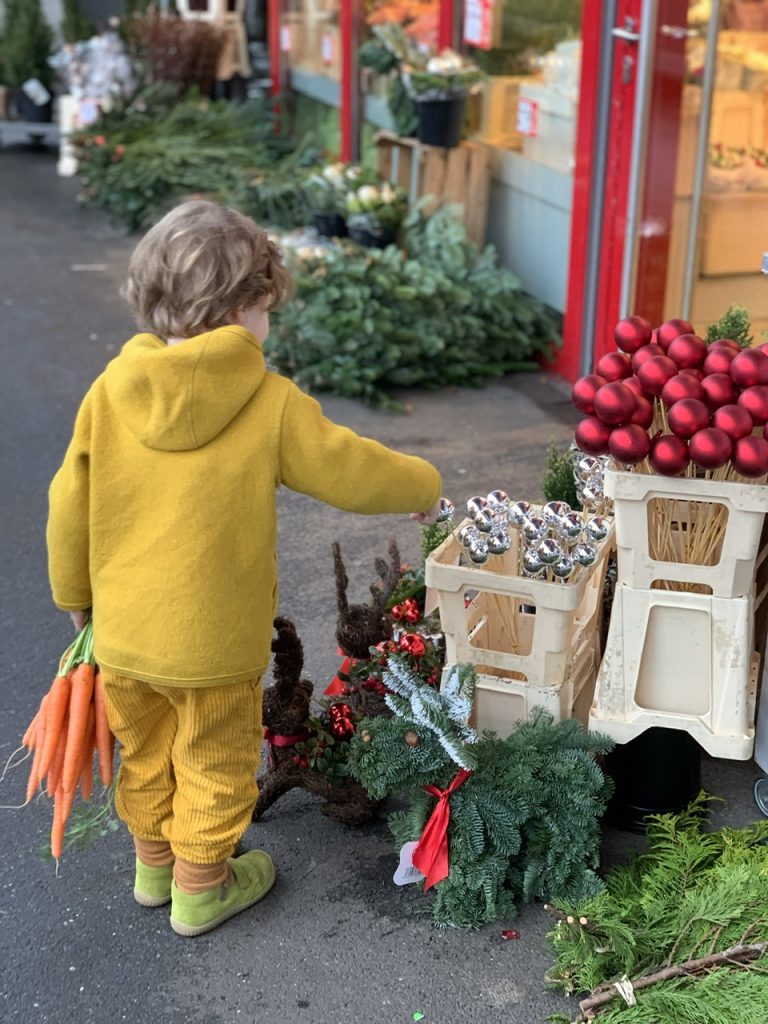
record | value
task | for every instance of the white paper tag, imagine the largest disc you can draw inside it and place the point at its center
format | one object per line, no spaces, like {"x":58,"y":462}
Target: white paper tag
{"x":326,"y":48}
{"x":285,"y":38}
{"x":406,"y":873}
{"x":34,"y":90}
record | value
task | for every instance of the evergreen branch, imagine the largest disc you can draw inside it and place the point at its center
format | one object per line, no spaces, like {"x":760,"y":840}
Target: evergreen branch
{"x":735,"y":956}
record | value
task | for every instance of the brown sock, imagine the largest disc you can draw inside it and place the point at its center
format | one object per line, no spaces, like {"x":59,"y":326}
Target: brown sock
{"x":196,"y":878}
{"x":153,"y":853}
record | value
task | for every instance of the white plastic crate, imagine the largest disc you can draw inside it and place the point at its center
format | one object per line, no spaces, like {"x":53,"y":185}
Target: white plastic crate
{"x":644,"y":503}
{"x":527,"y":629}
{"x":502,"y":701}
{"x":680,"y":661}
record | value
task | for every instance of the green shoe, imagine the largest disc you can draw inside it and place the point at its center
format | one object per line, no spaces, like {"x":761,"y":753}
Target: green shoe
{"x":253,"y":875}
{"x":152,"y":887}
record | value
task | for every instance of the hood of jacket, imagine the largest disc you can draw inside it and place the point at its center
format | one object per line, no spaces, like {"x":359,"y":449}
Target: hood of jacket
{"x":180,"y":397}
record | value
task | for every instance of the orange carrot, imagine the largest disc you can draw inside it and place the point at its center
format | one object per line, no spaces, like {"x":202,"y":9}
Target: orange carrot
{"x":57,"y":703}
{"x":86,"y":767}
{"x":79,"y":702}
{"x":30,"y":736}
{"x":103,"y":733}
{"x":57,"y":763}
{"x":35,"y":774}
{"x":62,"y":807}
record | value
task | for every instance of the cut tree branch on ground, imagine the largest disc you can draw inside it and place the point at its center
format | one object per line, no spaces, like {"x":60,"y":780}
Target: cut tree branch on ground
{"x":736,"y":955}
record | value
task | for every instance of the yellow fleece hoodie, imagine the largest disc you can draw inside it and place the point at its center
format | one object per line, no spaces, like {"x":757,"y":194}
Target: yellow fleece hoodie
{"x":162,"y":516}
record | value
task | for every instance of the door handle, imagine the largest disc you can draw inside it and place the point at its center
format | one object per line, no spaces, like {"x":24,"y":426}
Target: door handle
{"x":678,"y":32}
{"x":626,"y":34}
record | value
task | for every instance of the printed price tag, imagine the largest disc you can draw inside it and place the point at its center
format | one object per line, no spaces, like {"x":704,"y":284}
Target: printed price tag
{"x":327,"y":48}
{"x":478,"y":23}
{"x":285,"y":38}
{"x":406,"y":873}
{"x":527,"y":117}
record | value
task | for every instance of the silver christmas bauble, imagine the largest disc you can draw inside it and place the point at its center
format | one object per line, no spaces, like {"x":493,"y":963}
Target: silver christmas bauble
{"x":446,"y":511}
{"x":587,"y":466}
{"x":478,"y":552}
{"x":563,"y":567}
{"x":549,"y":550}
{"x":570,"y":527}
{"x":532,"y":564}
{"x":584,"y":554}
{"x":590,"y":497}
{"x":597,"y":528}
{"x":498,"y":500}
{"x":475,"y":504}
{"x":519,"y":512}
{"x":485,"y":520}
{"x":467,"y":534}
{"x":555,"y":510}
{"x":534,"y":529}
{"x":499,"y":542}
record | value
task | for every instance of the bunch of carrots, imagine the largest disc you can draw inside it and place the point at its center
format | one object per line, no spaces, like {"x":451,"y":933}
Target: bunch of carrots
{"x":70,"y":724}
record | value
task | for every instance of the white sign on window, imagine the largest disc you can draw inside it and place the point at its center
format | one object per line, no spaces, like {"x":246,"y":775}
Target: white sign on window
{"x":285,"y":38}
{"x":327,"y":47}
{"x":527,"y":117}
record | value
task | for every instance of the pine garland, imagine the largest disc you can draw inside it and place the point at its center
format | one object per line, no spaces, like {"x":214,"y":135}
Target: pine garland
{"x":523,"y":826}
{"x":692,"y":896}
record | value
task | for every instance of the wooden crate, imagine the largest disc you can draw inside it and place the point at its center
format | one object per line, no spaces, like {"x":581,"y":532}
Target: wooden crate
{"x":460,"y":175}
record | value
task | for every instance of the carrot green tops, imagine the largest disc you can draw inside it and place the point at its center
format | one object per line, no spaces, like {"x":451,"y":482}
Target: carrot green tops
{"x":162,"y":516}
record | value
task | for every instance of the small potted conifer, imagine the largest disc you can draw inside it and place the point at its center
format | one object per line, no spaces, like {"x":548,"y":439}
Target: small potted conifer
{"x":25,"y":46}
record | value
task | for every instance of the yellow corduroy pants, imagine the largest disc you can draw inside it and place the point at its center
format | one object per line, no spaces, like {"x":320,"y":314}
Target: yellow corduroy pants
{"x":188,"y":762}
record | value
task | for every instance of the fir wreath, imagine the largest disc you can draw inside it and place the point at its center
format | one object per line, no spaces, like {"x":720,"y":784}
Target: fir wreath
{"x":522,"y":825}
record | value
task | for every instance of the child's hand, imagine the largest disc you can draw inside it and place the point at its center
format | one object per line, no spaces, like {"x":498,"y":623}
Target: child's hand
{"x":79,"y":619}
{"x":428,"y":517}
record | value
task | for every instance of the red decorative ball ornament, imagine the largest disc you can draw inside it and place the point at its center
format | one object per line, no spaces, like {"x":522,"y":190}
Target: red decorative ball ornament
{"x":592,"y":435}
{"x":681,"y":386}
{"x":728,"y":343}
{"x":687,"y":417}
{"x":690,"y":372}
{"x":614,"y":366}
{"x":688,"y":351}
{"x":719,"y":390}
{"x":755,"y":401}
{"x":710,"y":448}
{"x":671,"y":329}
{"x":634,"y":386}
{"x":413,"y":644}
{"x":655,"y":372}
{"x":584,"y":391}
{"x":643,"y":414}
{"x":750,"y":456}
{"x":629,"y":444}
{"x":749,"y":368}
{"x":719,"y":360}
{"x":644,"y":354}
{"x":669,"y":455}
{"x":614,"y":403}
{"x":632,"y":333}
{"x":734,"y":420}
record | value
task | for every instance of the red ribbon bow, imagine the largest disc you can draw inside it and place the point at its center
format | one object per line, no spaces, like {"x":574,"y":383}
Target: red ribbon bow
{"x":431,"y":854}
{"x":337,"y":684}
{"x":276,"y":739}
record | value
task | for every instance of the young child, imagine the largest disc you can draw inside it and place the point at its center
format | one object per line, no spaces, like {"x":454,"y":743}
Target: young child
{"x":162,"y":521}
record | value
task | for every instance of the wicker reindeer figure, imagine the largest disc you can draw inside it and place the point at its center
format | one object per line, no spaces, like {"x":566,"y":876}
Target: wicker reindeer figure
{"x":286,"y":708}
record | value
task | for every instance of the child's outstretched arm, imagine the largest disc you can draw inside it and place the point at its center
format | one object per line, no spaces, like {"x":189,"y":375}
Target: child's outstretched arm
{"x":68,"y":526}
{"x":357,"y":474}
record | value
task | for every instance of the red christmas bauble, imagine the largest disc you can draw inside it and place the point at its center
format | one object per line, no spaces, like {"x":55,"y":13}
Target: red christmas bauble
{"x":734,"y":420}
{"x":584,"y":391}
{"x":614,"y":366}
{"x":591,"y":435}
{"x":669,"y":455}
{"x":719,"y":360}
{"x":671,"y":329}
{"x":629,"y":444}
{"x":644,"y":354}
{"x":655,"y":372}
{"x":614,"y":403}
{"x":643,"y":414}
{"x":634,"y":386}
{"x":681,"y":386}
{"x":719,"y":390}
{"x":687,"y":417}
{"x":688,"y":351}
{"x":632,"y":333}
{"x":710,"y":448}
{"x":728,"y":343}
{"x":749,"y":368}
{"x":750,"y":456}
{"x":755,"y":401}
{"x":689,"y":371}
{"x":762,"y":348}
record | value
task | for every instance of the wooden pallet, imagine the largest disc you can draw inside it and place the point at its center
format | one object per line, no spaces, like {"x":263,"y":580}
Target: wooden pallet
{"x":459,"y":175}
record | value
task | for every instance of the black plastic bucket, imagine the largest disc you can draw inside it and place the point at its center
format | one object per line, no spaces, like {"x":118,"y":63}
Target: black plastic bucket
{"x":440,"y":121}
{"x":330,"y":225}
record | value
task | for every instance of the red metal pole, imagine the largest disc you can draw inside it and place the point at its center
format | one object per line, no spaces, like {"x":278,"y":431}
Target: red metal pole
{"x":445,"y":25}
{"x":273,"y":42}
{"x":347,"y":85}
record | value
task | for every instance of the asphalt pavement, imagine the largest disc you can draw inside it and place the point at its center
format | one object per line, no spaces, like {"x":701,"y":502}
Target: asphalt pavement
{"x":336,"y":942}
